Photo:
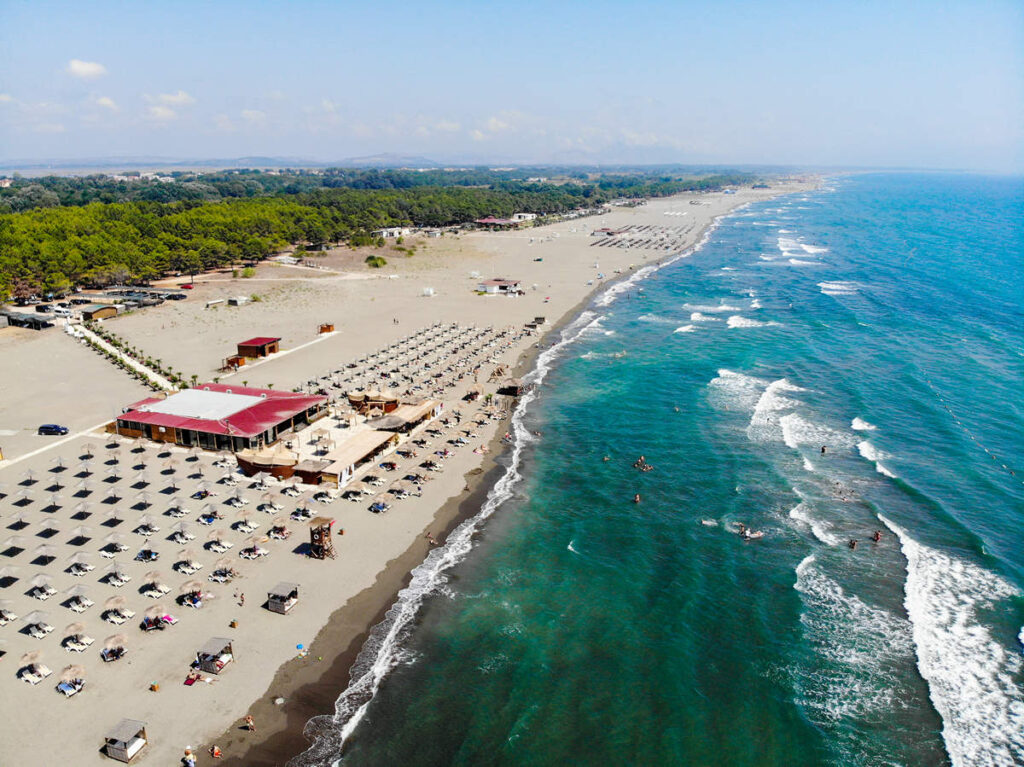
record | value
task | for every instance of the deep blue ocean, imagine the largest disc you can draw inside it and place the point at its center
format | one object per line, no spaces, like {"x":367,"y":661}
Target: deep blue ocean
{"x":879,"y":318}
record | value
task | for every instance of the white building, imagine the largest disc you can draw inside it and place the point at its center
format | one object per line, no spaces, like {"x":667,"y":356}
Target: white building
{"x":393,"y":231}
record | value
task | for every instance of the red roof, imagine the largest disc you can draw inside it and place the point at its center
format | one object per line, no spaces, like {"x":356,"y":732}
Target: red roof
{"x":275,"y":407}
{"x":259,"y":341}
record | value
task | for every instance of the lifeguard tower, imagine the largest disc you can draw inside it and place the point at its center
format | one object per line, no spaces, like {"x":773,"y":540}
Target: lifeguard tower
{"x":320,"y":544}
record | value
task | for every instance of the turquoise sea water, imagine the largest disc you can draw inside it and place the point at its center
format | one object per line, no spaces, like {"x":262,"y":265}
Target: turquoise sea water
{"x":879,"y":317}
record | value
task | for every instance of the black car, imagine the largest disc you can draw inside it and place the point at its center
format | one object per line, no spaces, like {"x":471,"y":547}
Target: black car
{"x":79,"y":301}
{"x":175,"y":296}
{"x":52,"y":429}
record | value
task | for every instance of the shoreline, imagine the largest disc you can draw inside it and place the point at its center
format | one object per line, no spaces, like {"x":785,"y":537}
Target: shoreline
{"x":366,"y":603}
{"x":307,"y":695}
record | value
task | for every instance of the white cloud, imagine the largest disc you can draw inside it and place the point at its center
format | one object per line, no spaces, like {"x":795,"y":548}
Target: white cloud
{"x":6,"y":98}
{"x":223,"y":124}
{"x":159,"y":112}
{"x":175,"y":99}
{"x":447,"y":126}
{"x":86,"y":70}
{"x":48,"y":128}
{"x":477,"y":135}
{"x":106,"y":102}
{"x":495,"y":125}
{"x":254,"y":116}
{"x":328,"y":106}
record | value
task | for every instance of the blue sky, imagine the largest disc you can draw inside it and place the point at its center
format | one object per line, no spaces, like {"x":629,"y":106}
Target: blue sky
{"x":926,"y":84}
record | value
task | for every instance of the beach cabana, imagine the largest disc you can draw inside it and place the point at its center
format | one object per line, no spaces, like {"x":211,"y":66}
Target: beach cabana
{"x":283,"y":597}
{"x":125,"y":740}
{"x":215,"y":655}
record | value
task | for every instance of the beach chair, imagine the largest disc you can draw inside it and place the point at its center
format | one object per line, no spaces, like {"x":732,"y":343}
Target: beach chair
{"x":157,"y":590}
{"x":42,"y":593}
{"x":112,"y":616}
{"x":118,"y":580}
{"x":70,"y":688}
{"x":40,"y":630}
{"x":36,"y":673}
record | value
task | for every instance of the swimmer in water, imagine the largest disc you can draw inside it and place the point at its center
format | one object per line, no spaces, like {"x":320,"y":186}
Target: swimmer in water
{"x":636,"y":498}
{"x":853,"y":544}
{"x":877,"y":536}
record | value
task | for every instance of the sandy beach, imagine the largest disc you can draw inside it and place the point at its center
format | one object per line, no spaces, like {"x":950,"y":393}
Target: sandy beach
{"x":51,"y":377}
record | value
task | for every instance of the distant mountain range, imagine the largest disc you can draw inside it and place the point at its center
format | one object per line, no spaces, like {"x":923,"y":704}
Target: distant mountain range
{"x":387,"y":160}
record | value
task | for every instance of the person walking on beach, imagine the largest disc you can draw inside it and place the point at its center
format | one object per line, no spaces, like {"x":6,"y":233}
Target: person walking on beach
{"x":241,"y":599}
{"x":250,"y":725}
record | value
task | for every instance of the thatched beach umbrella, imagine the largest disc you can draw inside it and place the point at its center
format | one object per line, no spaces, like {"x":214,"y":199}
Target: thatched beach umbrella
{"x":37,"y":618}
{"x":81,"y":558}
{"x":82,"y":531}
{"x":31,"y":658}
{"x":74,"y":630}
{"x":78,"y":590}
{"x":115,"y":602}
{"x":224,"y":563}
{"x":72,"y":672}
{"x":45,"y":551}
{"x":83,"y":508}
{"x":181,"y":527}
{"x":28,"y":477}
{"x":16,"y":542}
{"x":115,"y":569}
{"x":189,"y":587}
{"x":89,"y":449}
{"x":188,"y":556}
{"x":114,"y":539}
{"x":115,"y":641}
{"x":171,"y":466}
{"x":215,"y":535}
{"x":143,"y":500}
{"x":156,"y":611}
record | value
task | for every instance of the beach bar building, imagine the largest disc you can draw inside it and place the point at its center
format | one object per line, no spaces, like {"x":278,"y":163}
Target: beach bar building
{"x":283,"y":597}
{"x":215,"y":655}
{"x":407,"y":417}
{"x":220,"y":416}
{"x":98,"y":311}
{"x":126,"y":740}
{"x":359,"y":449}
{"x":261,"y":346}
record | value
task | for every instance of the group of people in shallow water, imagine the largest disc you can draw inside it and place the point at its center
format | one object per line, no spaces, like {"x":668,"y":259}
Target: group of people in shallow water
{"x":641,"y":464}
{"x":875,"y":537}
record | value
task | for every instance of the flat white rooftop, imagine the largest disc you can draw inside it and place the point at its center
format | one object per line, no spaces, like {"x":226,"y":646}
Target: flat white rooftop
{"x":199,"y":403}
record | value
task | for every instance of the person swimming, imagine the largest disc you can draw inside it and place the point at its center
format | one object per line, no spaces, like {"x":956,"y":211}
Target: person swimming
{"x":636,"y":498}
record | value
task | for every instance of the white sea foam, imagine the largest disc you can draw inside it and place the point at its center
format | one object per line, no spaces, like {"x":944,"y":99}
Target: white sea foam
{"x":872,"y":453}
{"x":685,"y":329}
{"x":654,"y":318}
{"x":738,"y":321}
{"x":839,"y":288}
{"x":970,"y":674}
{"x":803,"y":262}
{"x":859,"y":424}
{"x":711,"y":308}
{"x":859,"y":649}
{"x":801,"y":513}
{"x":709,"y":522}
{"x":383,"y":650}
{"x":785,"y":231}
{"x":797,"y":432}
{"x":812,"y":249}
{"x":730,"y":390}
{"x":700,"y":317}
{"x":574,"y":551}
{"x":755,"y":304}
{"x":764,"y":423}
{"x":808,"y":466}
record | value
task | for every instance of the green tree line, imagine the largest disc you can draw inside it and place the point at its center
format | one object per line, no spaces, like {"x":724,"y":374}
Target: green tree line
{"x":52,"y":249}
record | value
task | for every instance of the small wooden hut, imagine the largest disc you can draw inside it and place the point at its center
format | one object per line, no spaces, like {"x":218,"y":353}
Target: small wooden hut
{"x":126,"y":740}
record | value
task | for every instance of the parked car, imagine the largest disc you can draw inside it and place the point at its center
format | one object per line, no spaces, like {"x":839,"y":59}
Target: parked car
{"x":175,"y":296}
{"x":79,"y":301}
{"x":187,"y":286}
{"x":43,"y":308}
{"x":53,"y":429}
